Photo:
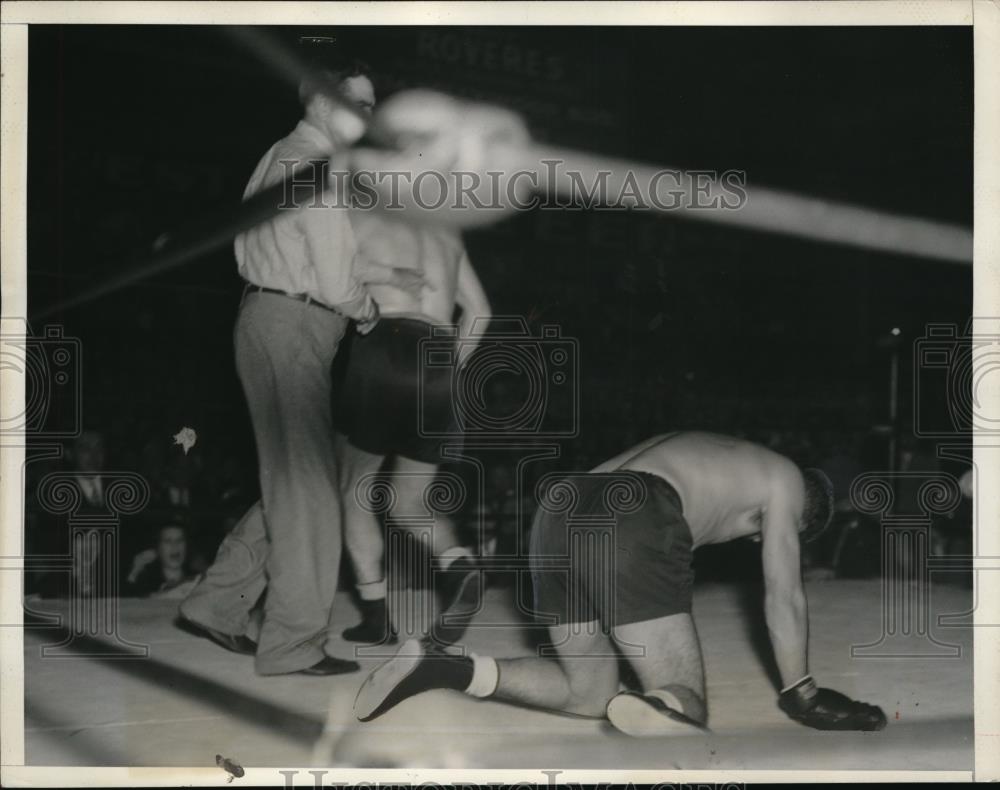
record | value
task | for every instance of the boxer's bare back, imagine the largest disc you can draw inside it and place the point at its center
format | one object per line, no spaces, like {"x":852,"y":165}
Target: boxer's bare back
{"x":436,"y":253}
{"x":726,"y":485}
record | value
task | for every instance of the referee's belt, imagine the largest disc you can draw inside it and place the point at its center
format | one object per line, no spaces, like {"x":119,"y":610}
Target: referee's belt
{"x":249,"y":287}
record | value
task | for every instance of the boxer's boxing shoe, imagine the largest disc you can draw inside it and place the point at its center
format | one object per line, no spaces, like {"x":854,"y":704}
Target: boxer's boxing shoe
{"x":645,"y":715}
{"x":375,"y":627}
{"x":419,"y":666}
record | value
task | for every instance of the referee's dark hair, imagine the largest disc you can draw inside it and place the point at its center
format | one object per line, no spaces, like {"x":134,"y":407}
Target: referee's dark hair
{"x":327,"y":81}
{"x":329,"y":63}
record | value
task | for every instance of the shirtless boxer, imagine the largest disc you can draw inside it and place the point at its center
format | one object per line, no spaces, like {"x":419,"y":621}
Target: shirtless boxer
{"x":388,"y":398}
{"x":699,"y":489}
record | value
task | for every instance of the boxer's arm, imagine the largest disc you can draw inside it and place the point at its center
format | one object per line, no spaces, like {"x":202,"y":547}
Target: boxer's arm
{"x":372,"y":272}
{"x":784,"y":598}
{"x":787,"y":620}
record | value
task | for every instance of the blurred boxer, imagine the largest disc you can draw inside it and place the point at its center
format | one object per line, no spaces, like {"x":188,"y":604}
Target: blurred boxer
{"x":392,"y":405}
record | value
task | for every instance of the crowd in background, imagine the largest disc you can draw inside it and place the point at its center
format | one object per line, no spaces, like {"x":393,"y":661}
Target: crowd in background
{"x":192,"y":500}
{"x":197,"y":496}
{"x":679,"y":325}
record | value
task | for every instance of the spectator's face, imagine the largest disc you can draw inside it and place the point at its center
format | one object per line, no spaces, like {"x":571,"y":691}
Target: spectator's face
{"x":172,"y":548}
{"x":88,"y":452}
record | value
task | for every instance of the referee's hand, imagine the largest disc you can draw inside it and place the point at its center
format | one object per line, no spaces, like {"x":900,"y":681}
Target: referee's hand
{"x":364,"y":327}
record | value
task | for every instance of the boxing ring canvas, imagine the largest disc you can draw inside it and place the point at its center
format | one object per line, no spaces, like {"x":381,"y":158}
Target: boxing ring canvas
{"x":775,"y":222}
{"x":190,"y":699}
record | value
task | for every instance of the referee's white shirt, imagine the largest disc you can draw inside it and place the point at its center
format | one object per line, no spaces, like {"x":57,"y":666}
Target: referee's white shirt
{"x":306,"y":250}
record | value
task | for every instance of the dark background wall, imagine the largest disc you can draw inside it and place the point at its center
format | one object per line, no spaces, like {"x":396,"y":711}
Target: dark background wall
{"x":136,"y":130}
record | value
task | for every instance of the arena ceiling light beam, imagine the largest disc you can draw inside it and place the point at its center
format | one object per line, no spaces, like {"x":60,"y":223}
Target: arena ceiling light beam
{"x":478,"y":138}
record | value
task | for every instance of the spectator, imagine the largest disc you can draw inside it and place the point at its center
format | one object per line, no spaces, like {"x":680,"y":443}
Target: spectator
{"x":86,"y":462}
{"x":164,"y":569}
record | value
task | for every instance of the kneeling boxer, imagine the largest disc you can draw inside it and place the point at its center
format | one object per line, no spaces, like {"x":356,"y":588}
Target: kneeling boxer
{"x":693,"y":489}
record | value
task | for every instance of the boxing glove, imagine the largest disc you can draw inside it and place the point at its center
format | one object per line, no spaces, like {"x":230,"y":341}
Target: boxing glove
{"x":826,"y":709}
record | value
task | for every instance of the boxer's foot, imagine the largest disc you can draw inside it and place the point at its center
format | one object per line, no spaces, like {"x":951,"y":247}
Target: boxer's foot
{"x":644,"y":715}
{"x":416,"y":668}
{"x":375,"y":627}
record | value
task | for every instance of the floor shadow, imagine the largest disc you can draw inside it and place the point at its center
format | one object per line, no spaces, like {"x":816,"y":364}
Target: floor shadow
{"x":230,"y":701}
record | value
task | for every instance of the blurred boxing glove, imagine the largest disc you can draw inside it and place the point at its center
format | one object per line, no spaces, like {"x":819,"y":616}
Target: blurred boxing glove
{"x":445,"y":161}
{"x":826,"y":709}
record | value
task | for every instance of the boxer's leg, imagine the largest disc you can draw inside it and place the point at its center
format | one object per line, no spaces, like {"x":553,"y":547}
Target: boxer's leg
{"x":457,"y":582}
{"x":410,"y":480}
{"x":363,"y":536}
{"x":364,"y":542}
{"x":651,"y":618}
{"x":671,"y":672}
{"x":580,"y":681}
